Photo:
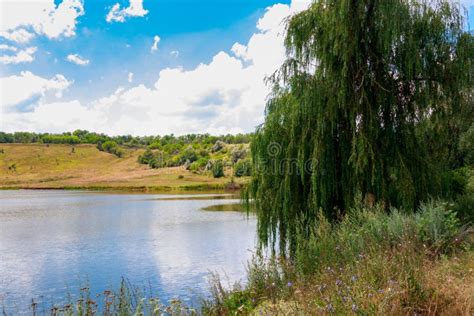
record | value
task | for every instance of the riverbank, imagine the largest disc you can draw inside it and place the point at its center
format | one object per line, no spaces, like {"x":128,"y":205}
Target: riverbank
{"x":371,"y":263}
{"x":83,"y":167}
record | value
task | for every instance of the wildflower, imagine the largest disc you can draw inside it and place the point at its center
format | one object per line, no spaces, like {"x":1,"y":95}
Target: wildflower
{"x":338,"y":282}
{"x":330,"y":308}
{"x":354,"y":308}
{"x":353,"y":278}
{"x":289,"y":284}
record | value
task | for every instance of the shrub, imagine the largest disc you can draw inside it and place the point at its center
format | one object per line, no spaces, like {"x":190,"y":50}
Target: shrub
{"x":155,"y":146}
{"x":218,"y":146}
{"x":437,"y":225}
{"x":110,"y":147}
{"x":218,"y":169}
{"x":464,"y":208}
{"x":146,"y":157}
{"x":199,"y":164}
{"x":189,"y":154}
{"x":243,"y":168}
{"x":238,"y":154}
{"x":157,"y":162}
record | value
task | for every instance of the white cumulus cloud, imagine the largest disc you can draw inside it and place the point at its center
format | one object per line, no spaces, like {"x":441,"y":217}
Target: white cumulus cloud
{"x":8,"y":48}
{"x":21,"y":56}
{"x":226,"y":95}
{"x":78,"y":60}
{"x":26,"y":18}
{"x":117,"y":14}
{"x":130,"y":77}
{"x":26,"y":86}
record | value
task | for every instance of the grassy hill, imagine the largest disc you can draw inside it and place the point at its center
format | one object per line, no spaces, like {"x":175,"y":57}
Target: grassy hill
{"x":84,"y":167}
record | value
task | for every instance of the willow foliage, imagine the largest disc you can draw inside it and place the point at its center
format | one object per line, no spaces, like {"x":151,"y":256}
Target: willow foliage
{"x":360,"y":79}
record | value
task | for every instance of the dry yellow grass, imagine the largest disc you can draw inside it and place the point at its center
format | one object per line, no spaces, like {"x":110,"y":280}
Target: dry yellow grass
{"x":448,"y":284}
{"x":59,"y":166}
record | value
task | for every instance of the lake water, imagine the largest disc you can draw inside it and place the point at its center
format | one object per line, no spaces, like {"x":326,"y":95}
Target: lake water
{"x":54,"y":242}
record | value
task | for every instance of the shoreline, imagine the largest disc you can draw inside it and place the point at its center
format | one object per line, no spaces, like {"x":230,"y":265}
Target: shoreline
{"x":214,"y":188}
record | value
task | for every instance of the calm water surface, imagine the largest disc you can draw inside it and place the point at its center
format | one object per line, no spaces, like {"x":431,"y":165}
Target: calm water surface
{"x":54,"y":242}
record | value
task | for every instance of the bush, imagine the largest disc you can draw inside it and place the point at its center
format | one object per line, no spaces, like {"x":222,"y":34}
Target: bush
{"x":218,"y":169}
{"x":218,"y":146}
{"x":243,"y":168}
{"x":157,"y":162}
{"x":199,"y":164}
{"x":110,"y":147}
{"x":188,"y":155}
{"x":437,"y":225}
{"x":146,"y":157}
{"x":464,"y":208}
{"x":238,"y":154}
{"x":434,"y":228}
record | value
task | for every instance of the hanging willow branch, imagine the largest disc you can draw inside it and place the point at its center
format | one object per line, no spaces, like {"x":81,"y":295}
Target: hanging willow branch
{"x":360,"y":81}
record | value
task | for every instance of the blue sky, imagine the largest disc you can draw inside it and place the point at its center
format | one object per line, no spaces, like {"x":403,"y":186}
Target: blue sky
{"x":68,"y":64}
{"x":197,"y":32}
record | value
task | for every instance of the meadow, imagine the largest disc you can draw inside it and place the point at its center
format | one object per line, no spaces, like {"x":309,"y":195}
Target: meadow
{"x":83,"y":166}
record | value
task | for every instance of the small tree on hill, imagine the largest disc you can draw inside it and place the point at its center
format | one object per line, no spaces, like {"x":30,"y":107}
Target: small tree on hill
{"x":218,"y":169}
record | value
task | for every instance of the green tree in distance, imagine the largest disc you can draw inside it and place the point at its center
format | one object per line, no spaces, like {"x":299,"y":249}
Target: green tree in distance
{"x":360,"y":79}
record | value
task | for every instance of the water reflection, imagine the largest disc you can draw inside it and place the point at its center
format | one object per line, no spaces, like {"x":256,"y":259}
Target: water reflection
{"x":52,"y":242}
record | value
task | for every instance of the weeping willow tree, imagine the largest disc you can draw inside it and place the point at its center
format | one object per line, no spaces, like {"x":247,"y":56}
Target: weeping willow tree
{"x":360,"y":79}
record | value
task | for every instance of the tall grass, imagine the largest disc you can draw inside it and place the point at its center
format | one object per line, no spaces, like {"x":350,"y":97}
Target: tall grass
{"x":371,"y":262}
{"x":127,"y":300}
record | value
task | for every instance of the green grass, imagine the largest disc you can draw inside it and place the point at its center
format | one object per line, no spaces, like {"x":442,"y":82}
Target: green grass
{"x":55,"y":166}
{"x":371,"y":263}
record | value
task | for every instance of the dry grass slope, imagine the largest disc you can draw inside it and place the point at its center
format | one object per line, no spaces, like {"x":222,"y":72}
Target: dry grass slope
{"x":41,"y":166}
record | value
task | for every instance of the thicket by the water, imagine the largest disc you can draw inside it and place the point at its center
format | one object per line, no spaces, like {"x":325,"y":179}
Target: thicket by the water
{"x":369,"y":263}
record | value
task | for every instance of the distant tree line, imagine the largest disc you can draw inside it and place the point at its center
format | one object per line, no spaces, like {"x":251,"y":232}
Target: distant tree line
{"x":86,"y":137}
